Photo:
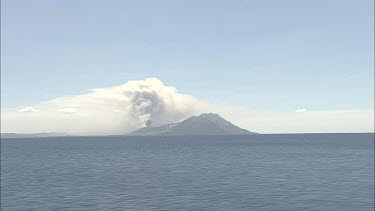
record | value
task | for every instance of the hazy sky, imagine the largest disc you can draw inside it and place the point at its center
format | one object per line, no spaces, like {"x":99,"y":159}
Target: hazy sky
{"x":273,"y":55}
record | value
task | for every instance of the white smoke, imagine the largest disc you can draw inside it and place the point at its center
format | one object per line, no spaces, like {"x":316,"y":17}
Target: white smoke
{"x":114,"y":110}
{"x":151,"y":100}
{"x":122,"y":109}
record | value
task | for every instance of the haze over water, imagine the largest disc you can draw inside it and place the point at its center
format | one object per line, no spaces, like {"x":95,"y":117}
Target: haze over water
{"x":255,"y":172}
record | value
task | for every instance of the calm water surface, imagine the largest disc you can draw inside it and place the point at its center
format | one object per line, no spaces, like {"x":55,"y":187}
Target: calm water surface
{"x":259,"y":172}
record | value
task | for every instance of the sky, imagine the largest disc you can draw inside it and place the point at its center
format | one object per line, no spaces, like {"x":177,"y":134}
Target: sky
{"x":270,"y":55}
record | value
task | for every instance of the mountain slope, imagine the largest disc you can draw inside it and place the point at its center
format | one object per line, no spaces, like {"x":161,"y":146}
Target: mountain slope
{"x":204,"y":124}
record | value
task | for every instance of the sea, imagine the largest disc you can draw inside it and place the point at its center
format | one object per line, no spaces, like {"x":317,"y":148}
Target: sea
{"x":221,"y":173}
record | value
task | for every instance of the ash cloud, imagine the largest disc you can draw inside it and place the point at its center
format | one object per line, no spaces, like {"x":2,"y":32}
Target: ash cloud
{"x":148,"y":123}
{"x":150,"y":101}
{"x":113,"y":110}
{"x":125,"y":108}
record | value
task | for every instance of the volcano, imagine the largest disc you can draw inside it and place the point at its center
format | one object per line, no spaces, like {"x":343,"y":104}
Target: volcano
{"x":204,"y":124}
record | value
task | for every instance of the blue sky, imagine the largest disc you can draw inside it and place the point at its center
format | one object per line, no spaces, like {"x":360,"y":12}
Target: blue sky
{"x":278,"y":55}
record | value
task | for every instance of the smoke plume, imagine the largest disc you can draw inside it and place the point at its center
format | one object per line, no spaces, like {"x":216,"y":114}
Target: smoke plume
{"x":114,"y":110}
{"x":122,"y":109}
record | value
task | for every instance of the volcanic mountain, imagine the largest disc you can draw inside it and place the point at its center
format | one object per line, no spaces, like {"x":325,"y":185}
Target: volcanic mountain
{"x":204,"y":124}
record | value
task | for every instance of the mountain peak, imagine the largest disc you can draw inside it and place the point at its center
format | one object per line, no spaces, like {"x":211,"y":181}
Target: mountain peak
{"x":210,"y":115}
{"x":204,"y":124}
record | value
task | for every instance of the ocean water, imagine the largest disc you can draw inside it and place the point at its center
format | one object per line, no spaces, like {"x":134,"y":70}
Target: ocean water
{"x":256,"y":172}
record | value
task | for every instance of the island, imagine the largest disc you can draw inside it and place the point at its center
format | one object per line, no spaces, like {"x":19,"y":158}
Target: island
{"x":204,"y":124}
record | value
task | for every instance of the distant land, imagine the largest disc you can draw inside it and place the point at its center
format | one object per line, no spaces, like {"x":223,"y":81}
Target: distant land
{"x":204,"y":124}
{"x":30,"y":135}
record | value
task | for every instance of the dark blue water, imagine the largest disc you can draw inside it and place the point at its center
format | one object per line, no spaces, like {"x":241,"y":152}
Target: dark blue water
{"x":259,"y":172}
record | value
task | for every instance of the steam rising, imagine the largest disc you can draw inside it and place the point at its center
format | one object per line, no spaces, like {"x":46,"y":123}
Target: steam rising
{"x":114,"y":110}
{"x":122,"y":109}
{"x":150,"y":99}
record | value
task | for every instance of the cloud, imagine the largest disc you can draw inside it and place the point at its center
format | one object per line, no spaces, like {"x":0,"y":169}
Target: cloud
{"x":29,"y":109}
{"x":301,"y":110}
{"x":124,"y":108}
{"x":113,"y":110}
{"x":67,"y":110}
